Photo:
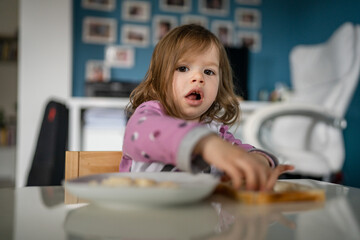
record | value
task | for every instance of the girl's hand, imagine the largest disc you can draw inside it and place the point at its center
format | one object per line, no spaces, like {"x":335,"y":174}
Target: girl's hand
{"x":251,"y":169}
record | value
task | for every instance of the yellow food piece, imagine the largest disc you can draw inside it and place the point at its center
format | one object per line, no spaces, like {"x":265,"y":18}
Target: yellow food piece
{"x":167,"y":184}
{"x":136,"y":182}
{"x":144,"y":182}
{"x":117,"y":181}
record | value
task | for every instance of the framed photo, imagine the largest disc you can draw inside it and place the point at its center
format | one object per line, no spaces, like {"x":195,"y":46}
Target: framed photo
{"x":135,"y":35}
{"x":224,"y":31}
{"x":194,"y":19}
{"x":214,"y":7}
{"x":162,"y":24}
{"x":249,"y":2}
{"x":120,"y":56}
{"x":97,"y":71}
{"x":139,"y":11}
{"x":252,"y":40}
{"x":175,"y":5}
{"x":248,"y":17}
{"x":99,"y":30}
{"x":102,"y":5}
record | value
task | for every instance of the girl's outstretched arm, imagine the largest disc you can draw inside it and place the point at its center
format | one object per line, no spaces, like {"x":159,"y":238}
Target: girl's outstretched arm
{"x":244,"y":168}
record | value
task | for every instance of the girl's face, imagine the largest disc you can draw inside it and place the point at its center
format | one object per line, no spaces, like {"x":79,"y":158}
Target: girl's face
{"x":196,"y":83}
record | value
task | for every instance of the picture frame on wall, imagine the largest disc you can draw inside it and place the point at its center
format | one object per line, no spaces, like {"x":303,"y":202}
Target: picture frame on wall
{"x":97,"y":71}
{"x":251,"y":40}
{"x":195,"y":19}
{"x":102,"y":5}
{"x":135,"y":35}
{"x":99,"y":30}
{"x":248,"y":17}
{"x":120,"y":56}
{"x":249,"y":2}
{"x":139,"y":11}
{"x":175,"y":5}
{"x":162,"y":24}
{"x":214,"y":7}
{"x":224,"y":31}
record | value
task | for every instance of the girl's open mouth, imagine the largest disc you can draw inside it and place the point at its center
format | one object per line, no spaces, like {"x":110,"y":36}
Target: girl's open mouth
{"x":194,"y":97}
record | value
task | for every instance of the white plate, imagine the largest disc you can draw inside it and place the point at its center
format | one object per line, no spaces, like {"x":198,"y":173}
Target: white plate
{"x":191,"y":188}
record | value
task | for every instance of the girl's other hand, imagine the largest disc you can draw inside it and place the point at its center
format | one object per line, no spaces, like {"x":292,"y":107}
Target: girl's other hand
{"x":249,"y":169}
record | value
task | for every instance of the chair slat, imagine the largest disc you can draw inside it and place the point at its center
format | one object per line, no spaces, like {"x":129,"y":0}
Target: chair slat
{"x":83,"y":163}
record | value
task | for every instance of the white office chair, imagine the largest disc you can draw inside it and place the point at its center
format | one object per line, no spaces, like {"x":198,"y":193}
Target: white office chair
{"x":306,"y":130}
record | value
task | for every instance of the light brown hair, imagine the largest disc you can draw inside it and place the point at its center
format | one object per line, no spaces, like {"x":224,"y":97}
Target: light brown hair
{"x":186,"y":40}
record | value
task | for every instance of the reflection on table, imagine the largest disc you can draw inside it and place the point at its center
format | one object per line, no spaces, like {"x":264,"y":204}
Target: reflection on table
{"x":40,"y":213}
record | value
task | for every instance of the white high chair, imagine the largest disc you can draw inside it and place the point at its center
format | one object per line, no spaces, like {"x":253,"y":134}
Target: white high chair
{"x":306,"y":130}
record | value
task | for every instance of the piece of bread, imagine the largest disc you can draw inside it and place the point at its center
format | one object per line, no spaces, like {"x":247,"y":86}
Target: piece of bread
{"x":283,"y":192}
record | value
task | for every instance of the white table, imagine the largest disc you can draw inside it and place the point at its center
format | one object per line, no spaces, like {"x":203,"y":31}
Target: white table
{"x":40,"y":213}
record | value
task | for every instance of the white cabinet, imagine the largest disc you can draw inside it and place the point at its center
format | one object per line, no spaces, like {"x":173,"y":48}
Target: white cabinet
{"x":76,"y":126}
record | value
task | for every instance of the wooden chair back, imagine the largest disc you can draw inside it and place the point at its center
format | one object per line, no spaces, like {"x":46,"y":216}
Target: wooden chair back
{"x":83,"y":163}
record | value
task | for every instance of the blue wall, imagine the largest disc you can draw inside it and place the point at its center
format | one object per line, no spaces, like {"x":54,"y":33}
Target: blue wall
{"x":85,"y":51}
{"x":285,"y":24}
{"x":271,"y":64}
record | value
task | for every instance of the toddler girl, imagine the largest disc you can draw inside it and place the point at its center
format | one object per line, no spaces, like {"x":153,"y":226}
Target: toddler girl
{"x":181,"y":112}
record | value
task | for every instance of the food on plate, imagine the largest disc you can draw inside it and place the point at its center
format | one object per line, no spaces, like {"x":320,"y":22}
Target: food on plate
{"x":135,"y":182}
{"x":117,"y":181}
{"x":167,"y":184}
{"x":144,"y":182}
{"x":93,"y":183}
{"x":282,"y":192}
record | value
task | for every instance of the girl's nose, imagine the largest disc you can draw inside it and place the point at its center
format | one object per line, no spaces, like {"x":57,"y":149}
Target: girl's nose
{"x":198,"y":77}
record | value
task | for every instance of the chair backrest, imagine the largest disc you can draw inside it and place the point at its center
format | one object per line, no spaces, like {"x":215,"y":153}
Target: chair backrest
{"x":47,"y":168}
{"x":83,"y":163}
{"x":324,"y":76}
{"x":327,"y":74}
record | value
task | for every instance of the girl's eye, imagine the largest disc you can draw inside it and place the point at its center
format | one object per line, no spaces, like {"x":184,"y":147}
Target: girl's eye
{"x":182,"y":69}
{"x":209,"y":72}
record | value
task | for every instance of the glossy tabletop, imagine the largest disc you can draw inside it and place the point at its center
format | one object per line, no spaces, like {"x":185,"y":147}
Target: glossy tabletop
{"x":40,"y":213}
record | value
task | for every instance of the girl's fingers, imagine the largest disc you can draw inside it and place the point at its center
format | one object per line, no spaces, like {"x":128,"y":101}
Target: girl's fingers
{"x":284,"y":168}
{"x":256,"y":174}
{"x":250,"y":174}
{"x":275,"y":175}
{"x":263,"y":176}
{"x":235,"y":175}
